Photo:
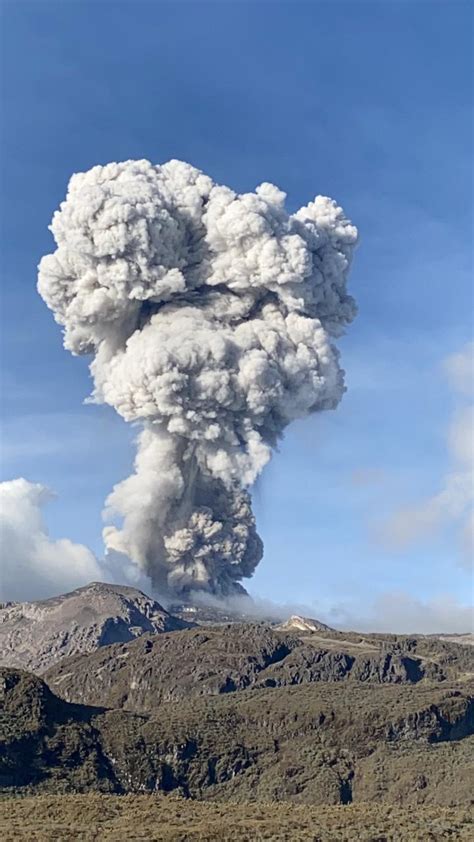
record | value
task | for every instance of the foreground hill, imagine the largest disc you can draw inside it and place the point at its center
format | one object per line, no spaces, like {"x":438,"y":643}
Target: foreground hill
{"x":214,"y":660}
{"x":320,"y":744}
{"x":156,"y":819}
{"x":365,"y":736}
{"x":35,"y":635}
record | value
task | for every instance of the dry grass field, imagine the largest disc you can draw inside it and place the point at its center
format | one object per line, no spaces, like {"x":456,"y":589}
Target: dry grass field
{"x":104,"y":818}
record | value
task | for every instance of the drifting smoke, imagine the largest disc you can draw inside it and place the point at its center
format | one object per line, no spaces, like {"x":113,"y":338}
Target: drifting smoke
{"x":211,"y":317}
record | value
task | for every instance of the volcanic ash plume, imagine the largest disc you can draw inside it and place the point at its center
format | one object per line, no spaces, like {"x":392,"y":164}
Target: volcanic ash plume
{"x":210,"y":317}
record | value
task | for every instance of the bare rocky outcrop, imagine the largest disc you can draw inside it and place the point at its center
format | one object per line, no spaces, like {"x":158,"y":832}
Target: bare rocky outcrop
{"x":295,"y":623}
{"x":36,"y":635}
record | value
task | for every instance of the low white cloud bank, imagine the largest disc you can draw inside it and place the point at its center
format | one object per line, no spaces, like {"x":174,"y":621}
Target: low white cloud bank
{"x":399,"y":612}
{"x":453,"y":504}
{"x":32,"y":564}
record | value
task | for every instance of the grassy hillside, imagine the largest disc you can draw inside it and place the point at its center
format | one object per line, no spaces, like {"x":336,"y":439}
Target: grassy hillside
{"x":153,"y":818}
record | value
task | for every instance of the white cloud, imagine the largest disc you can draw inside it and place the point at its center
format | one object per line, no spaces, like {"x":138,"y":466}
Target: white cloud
{"x":461,"y":437}
{"x":35,"y":566}
{"x":459,"y":369}
{"x":454,"y":501}
{"x":399,"y":612}
{"x":392,"y":611}
{"x":32,"y":564}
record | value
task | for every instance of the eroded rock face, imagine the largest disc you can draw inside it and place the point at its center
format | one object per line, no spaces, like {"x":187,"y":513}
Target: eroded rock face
{"x":36,"y":635}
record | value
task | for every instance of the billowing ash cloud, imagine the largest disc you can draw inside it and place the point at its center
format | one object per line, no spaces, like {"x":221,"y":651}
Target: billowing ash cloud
{"x":211,"y":318}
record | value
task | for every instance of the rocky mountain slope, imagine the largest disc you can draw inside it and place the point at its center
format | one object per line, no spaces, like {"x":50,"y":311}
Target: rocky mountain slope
{"x":134,"y":700}
{"x":218,"y":660}
{"x":38,"y":636}
{"x":324,"y":743}
{"x":303,"y":624}
{"x":35,"y":635}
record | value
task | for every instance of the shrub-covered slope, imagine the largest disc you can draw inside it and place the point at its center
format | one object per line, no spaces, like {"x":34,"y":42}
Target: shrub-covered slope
{"x":322,"y":743}
{"x":222,"y":659}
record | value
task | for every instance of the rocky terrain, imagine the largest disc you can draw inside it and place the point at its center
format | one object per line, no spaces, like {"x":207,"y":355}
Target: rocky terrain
{"x":35,"y":635}
{"x":303,"y":624}
{"x":238,"y":723}
{"x":464,"y":639}
{"x":38,"y":636}
{"x":316,"y":744}
{"x":225,"y":659}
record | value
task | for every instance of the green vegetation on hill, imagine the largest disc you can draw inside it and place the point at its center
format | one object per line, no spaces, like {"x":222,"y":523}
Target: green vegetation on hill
{"x":242,"y":732}
{"x":225,"y":659}
{"x":317,"y":744}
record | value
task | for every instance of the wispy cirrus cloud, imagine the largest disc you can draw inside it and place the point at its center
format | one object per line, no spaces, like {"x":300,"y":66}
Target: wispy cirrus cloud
{"x":453,"y":503}
{"x":459,"y":369}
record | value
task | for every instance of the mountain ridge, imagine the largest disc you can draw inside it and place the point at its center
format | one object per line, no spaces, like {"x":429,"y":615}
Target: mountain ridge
{"x":222,"y":659}
{"x":35,"y":635}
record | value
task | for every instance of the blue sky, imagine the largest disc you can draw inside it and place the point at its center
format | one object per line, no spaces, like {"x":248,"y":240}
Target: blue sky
{"x":368,"y":102}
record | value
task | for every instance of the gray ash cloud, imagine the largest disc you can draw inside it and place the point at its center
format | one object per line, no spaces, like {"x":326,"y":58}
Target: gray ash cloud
{"x":211,"y":318}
